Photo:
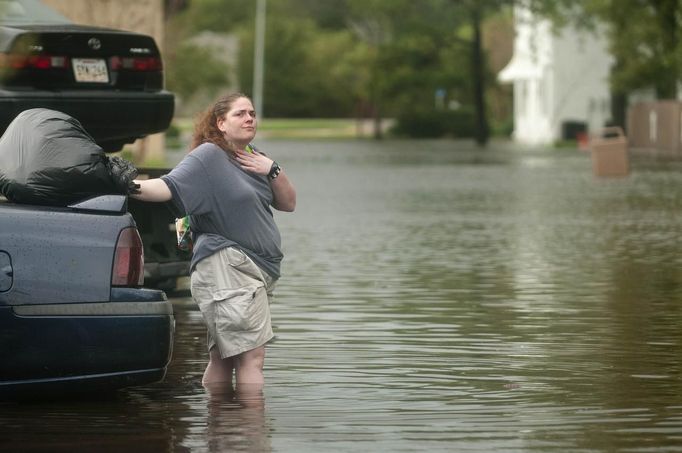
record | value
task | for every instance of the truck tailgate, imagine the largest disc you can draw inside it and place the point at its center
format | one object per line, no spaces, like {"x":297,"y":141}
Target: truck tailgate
{"x":58,"y":255}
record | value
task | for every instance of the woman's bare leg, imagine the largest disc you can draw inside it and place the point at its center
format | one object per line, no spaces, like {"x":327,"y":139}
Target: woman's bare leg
{"x":249,"y":366}
{"x":218,"y":369}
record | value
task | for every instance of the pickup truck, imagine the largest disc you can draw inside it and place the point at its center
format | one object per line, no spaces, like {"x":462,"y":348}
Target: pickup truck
{"x":73,"y":313}
{"x":110,"y":80}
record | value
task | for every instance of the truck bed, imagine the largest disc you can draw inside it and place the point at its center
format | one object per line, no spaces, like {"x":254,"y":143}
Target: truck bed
{"x":164,"y":262}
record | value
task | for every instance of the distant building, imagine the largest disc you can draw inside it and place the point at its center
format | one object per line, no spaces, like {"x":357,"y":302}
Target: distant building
{"x":560,"y":80}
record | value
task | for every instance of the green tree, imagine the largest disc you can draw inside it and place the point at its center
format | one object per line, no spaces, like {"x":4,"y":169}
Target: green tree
{"x":439,"y":28}
{"x":195,"y":69}
{"x":309,"y":55}
{"x":307,"y":71}
{"x":372,"y":23}
{"x":644,"y":37}
{"x":363,"y":57}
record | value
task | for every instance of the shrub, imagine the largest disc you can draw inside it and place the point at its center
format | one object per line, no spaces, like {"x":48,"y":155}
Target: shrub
{"x":173,"y":131}
{"x":435,"y":124}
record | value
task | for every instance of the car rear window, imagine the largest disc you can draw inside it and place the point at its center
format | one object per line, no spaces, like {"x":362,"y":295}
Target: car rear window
{"x":20,"y":12}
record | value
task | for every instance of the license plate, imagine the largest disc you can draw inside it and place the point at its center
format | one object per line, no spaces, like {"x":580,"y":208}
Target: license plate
{"x":90,"y":70}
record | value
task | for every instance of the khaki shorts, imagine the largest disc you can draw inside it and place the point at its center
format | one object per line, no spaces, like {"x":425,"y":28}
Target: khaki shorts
{"x":233,"y":295}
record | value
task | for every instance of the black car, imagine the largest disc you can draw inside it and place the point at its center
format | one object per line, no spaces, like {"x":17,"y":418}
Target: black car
{"x":110,"y":80}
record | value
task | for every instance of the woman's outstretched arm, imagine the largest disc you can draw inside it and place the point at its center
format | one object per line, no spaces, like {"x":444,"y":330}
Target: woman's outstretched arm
{"x":152,"y":190}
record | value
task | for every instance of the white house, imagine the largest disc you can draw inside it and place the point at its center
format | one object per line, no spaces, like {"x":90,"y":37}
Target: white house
{"x":560,"y":77}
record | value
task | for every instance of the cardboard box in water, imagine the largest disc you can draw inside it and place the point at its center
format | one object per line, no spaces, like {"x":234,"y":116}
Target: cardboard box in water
{"x":610,"y":153}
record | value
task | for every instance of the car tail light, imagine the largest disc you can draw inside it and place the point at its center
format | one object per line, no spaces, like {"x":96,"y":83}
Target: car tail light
{"x":128,"y":267}
{"x":138,"y":64}
{"x":19,"y":61}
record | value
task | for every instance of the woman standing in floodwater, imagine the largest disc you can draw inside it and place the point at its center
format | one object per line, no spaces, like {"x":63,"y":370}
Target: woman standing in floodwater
{"x":227,"y":187}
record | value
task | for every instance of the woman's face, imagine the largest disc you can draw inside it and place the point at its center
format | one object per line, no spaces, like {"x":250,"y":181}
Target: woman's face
{"x":239,"y":123}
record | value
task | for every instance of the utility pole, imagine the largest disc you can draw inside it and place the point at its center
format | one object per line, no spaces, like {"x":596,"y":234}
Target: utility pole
{"x":259,"y":59}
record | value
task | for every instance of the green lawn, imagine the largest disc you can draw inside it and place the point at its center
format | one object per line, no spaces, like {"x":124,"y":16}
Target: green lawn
{"x":297,"y":128}
{"x":307,"y":128}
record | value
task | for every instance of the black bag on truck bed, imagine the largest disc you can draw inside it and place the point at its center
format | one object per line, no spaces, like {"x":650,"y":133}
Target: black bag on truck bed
{"x":47,"y":158}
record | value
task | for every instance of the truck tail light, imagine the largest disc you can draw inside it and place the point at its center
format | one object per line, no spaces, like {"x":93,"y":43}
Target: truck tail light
{"x":128,"y":267}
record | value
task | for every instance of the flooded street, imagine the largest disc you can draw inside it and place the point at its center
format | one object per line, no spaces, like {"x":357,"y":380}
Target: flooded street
{"x":434,"y":297}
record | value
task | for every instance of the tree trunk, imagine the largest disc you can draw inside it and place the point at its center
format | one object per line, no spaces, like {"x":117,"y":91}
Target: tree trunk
{"x":482,"y":133}
{"x":619,"y":103}
{"x":378,"y":132}
{"x":668,"y":78}
{"x":376,"y":108}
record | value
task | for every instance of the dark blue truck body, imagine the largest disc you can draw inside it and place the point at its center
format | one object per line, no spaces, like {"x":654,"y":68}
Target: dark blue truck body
{"x":63,"y":326}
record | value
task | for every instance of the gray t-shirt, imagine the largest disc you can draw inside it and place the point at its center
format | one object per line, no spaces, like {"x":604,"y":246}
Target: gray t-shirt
{"x":227,"y":206}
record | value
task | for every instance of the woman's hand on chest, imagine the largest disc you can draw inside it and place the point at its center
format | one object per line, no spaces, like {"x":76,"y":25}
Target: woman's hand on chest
{"x":254,"y":162}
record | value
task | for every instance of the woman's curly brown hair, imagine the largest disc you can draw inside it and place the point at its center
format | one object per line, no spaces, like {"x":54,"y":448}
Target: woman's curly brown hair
{"x":206,"y":127}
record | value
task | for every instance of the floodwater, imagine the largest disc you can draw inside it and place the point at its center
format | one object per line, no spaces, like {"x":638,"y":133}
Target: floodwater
{"x":435,"y":298}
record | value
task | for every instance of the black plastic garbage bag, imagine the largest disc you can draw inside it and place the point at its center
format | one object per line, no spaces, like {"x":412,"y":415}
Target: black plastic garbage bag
{"x":47,"y":158}
{"x":123,"y":173}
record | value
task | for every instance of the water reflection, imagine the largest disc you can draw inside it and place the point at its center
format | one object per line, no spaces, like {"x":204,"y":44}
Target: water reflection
{"x":435,"y":299}
{"x":236,"y":419}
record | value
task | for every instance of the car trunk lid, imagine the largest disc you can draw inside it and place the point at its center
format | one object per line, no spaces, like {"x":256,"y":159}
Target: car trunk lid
{"x":78,"y":57}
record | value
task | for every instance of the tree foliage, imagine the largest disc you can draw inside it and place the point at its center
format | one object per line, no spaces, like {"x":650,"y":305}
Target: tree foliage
{"x":645,"y":41}
{"x":306,"y":71}
{"x":643,"y":38}
{"x":383,"y":58}
{"x":376,"y":58}
{"x":196,"y":69}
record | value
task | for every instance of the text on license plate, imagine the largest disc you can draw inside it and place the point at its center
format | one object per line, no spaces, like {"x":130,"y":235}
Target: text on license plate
{"x":92,"y":70}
